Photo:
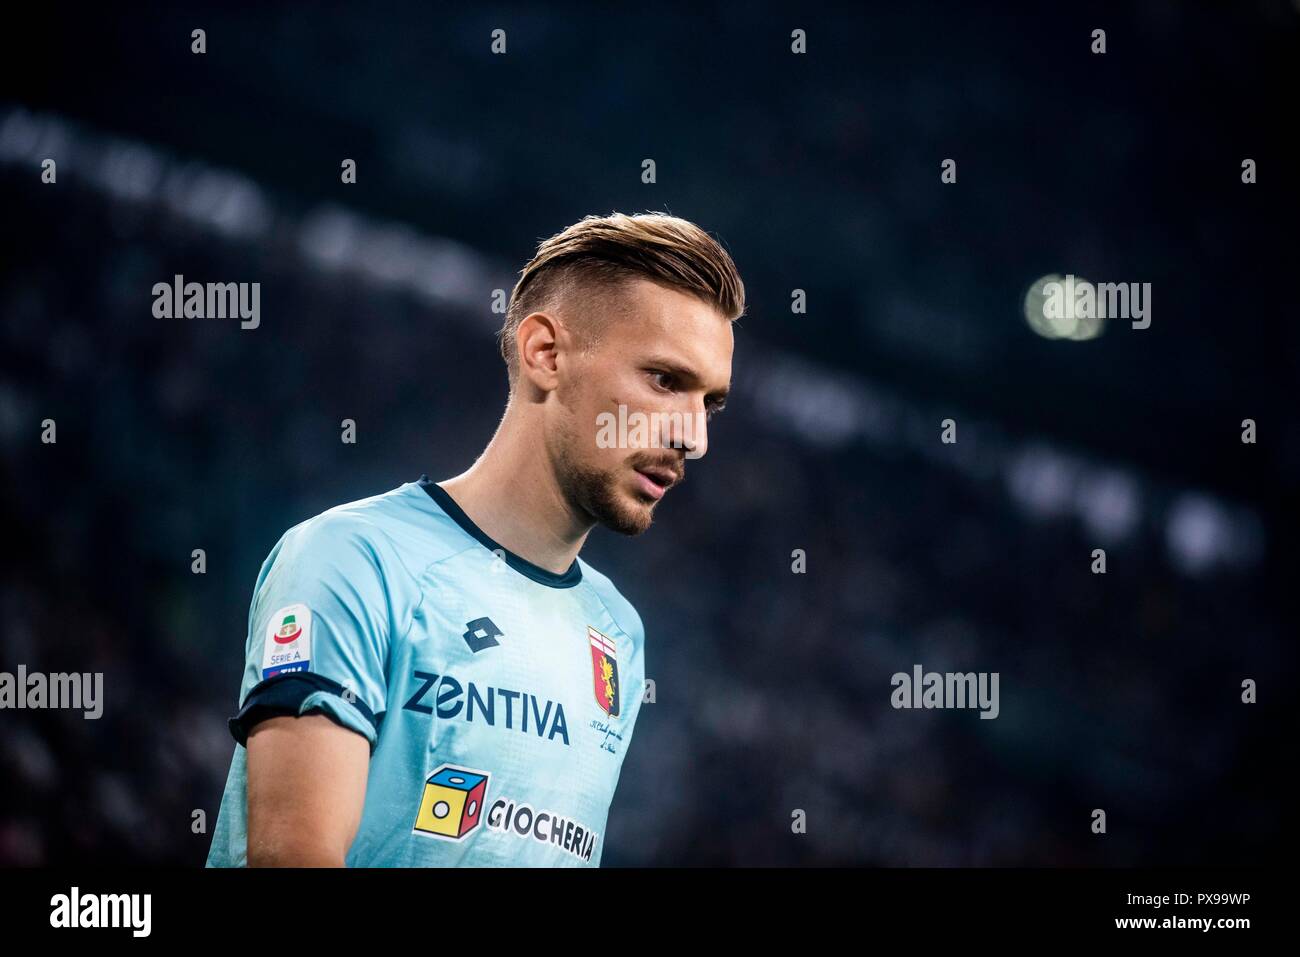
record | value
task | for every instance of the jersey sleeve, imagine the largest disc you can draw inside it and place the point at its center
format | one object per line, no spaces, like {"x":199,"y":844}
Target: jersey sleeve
{"x":319,"y":628}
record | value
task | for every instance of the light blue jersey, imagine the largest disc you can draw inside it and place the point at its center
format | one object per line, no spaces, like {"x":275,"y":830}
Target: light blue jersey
{"x":498,"y":698}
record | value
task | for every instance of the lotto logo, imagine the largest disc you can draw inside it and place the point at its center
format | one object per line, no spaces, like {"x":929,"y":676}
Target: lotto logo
{"x":452,"y":802}
{"x":481,"y":633}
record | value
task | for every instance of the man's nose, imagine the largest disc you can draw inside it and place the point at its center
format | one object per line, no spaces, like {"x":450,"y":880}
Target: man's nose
{"x":689,"y":431}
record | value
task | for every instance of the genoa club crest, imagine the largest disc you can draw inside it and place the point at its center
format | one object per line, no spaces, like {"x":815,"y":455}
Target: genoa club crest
{"x":604,"y":671}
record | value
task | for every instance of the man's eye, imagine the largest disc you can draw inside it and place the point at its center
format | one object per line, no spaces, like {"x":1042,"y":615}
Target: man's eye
{"x":663,"y":380}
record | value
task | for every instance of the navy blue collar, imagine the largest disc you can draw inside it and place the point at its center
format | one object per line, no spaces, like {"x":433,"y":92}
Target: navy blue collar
{"x":522,"y":565}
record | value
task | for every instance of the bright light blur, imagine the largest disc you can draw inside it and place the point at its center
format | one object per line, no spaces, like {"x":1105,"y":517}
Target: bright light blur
{"x":1068,"y":325}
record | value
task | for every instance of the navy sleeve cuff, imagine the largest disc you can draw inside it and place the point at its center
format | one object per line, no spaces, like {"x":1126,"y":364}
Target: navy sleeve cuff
{"x":284,"y":694}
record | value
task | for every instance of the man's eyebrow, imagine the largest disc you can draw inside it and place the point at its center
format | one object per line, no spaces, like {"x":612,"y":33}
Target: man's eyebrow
{"x":686,"y":372}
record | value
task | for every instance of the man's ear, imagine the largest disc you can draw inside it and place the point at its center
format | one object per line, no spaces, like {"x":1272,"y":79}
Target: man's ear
{"x":538,"y":338}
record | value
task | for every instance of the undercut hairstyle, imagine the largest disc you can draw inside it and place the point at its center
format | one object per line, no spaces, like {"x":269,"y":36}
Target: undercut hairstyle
{"x":599,"y":254}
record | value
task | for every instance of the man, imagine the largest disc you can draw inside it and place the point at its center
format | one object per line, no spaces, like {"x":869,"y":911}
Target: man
{"x":432,"y":675}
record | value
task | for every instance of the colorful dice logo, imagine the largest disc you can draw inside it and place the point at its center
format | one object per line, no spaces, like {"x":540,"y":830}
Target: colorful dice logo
{"x":452,"y":802}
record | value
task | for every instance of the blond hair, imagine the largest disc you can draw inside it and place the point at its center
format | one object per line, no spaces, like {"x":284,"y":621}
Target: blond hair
{"x":600,"y":252}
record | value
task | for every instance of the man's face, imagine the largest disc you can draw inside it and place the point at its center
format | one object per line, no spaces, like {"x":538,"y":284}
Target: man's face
{"x":633,"y":406}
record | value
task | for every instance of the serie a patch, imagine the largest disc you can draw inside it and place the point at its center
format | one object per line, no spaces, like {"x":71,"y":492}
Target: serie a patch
{"x":288,"y":642}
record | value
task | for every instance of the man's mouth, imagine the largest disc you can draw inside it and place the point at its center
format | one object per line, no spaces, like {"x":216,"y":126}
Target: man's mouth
{"x":655,"y":481}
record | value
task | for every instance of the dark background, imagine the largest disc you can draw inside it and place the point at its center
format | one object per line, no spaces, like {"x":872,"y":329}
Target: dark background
{"x":819,"y":172}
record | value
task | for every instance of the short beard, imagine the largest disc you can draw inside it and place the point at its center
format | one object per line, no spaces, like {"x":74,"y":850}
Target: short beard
{"x":592,"y":492}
